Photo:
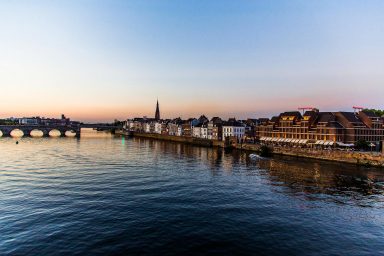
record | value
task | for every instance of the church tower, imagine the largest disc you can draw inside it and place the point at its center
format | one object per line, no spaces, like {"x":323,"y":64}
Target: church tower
{"x":157,"y":115}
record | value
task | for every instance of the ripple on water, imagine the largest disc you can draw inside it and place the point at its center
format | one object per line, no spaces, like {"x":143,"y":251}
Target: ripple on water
{"x":101,"y":196}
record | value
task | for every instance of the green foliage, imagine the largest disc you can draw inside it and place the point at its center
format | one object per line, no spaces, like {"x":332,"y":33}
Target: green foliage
{"x":265,"y":151}
{"x":8,"y":122}
{"x":118,"y":123}
{"x":376,"y":111}
{"x":362,"y":144}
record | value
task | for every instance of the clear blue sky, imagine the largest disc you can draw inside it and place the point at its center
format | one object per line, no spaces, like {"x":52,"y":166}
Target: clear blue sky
{"x":100,"y":60}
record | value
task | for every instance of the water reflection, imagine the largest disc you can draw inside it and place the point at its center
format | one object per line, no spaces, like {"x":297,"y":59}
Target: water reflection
{"x":36,"y":133}
{"x":91,"y":133}
{"x":317,"y":180}
{"x":70,"y":134}
{"x":17,"y":133}
{"x":54,"y":133}
{"x":105,"y":195}
{"x":306,"y":179}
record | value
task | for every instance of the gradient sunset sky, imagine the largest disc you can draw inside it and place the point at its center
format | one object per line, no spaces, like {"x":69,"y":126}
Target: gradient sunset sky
{"x":101,"y":60}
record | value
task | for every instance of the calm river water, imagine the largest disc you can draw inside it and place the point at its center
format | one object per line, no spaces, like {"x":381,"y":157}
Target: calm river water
{"x":102,"y":195}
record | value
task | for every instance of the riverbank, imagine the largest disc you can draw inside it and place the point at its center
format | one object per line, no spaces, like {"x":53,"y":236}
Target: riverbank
{"x":181,"y":139}
{"x":352,"y":157}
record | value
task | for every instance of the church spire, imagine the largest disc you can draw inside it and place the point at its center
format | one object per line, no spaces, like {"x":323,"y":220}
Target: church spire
{"x":157,"y":115}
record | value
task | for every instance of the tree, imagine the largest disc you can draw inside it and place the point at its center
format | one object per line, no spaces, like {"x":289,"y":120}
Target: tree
{"x":362,"y":144}
{"x":265,"y":151}
{"x":118,"y":123}
{"x":376,"y":111}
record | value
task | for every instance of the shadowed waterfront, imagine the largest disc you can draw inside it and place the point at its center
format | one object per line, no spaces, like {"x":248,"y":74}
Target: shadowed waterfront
{"x":106,"y":195}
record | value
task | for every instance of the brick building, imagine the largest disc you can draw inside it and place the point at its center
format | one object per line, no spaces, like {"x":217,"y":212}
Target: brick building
{"x":324,"y":128}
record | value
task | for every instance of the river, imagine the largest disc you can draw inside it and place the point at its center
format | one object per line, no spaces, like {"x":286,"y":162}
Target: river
{"x":105,"y":195}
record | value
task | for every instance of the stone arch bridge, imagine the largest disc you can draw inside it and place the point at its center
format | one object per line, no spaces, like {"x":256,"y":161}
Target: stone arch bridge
{"x":6,"y":130}
{"x":27,"y":129}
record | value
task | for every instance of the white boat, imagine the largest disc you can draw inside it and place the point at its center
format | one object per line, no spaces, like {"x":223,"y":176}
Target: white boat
{"x":254,"y":157}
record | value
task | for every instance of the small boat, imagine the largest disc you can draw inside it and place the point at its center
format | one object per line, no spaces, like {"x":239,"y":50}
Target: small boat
{"x":254,"y":157}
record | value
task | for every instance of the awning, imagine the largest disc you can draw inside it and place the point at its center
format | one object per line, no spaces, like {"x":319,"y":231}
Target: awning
{"x":341,"y":144}
{"x":262,"y":138}
{"x":331,"y":143}
{"x":372,"y":145}
{"x":304,"y":141}
{"x":321,"y":142}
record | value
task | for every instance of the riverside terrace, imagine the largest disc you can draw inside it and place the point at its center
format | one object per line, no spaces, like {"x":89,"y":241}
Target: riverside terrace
{"x":313,"y":128}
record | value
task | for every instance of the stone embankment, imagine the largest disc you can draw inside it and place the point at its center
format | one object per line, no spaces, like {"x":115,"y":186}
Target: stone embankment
{"x":187,"y":140}
{"x":352,"y":157}
{"x":359,"y":158}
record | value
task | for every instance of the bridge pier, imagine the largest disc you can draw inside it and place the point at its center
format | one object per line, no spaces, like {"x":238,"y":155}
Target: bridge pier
{"x":26,"y":132}
{"x":6,"y":132}
{"x":45,"y":132}
{"x":78,"y":133}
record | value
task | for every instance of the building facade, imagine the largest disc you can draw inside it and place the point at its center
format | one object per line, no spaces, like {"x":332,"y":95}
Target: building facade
{"x":234,"y":129}
{"x":322,"y":128}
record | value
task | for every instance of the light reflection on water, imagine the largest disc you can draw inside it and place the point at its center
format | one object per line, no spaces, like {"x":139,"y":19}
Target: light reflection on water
{"x":107,"y":195}
{"x":17,"y":133}
{"x":36,"y":133}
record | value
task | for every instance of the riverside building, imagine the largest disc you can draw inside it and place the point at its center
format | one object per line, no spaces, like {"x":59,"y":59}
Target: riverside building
{"x":293,"y":128}
{"x":322,"y":128}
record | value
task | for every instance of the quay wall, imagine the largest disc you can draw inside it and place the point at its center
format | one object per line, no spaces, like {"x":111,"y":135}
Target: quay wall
{"x":352,"y":157}
{"x":187,"y":140}
{"x":359,"y":158}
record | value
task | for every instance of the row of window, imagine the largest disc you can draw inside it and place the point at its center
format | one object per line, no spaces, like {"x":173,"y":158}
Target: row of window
{"x":235,"y":130}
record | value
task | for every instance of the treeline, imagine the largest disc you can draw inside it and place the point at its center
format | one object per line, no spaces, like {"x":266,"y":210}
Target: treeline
{"x":8,"y":122}
{"x":376,"y":111}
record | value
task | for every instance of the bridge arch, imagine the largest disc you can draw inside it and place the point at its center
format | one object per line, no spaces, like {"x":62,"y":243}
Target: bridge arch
{"x":54,"y":133}
{"x":17,"y":133}
{"x":70,"y":133}
{"x":36,"y":133}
